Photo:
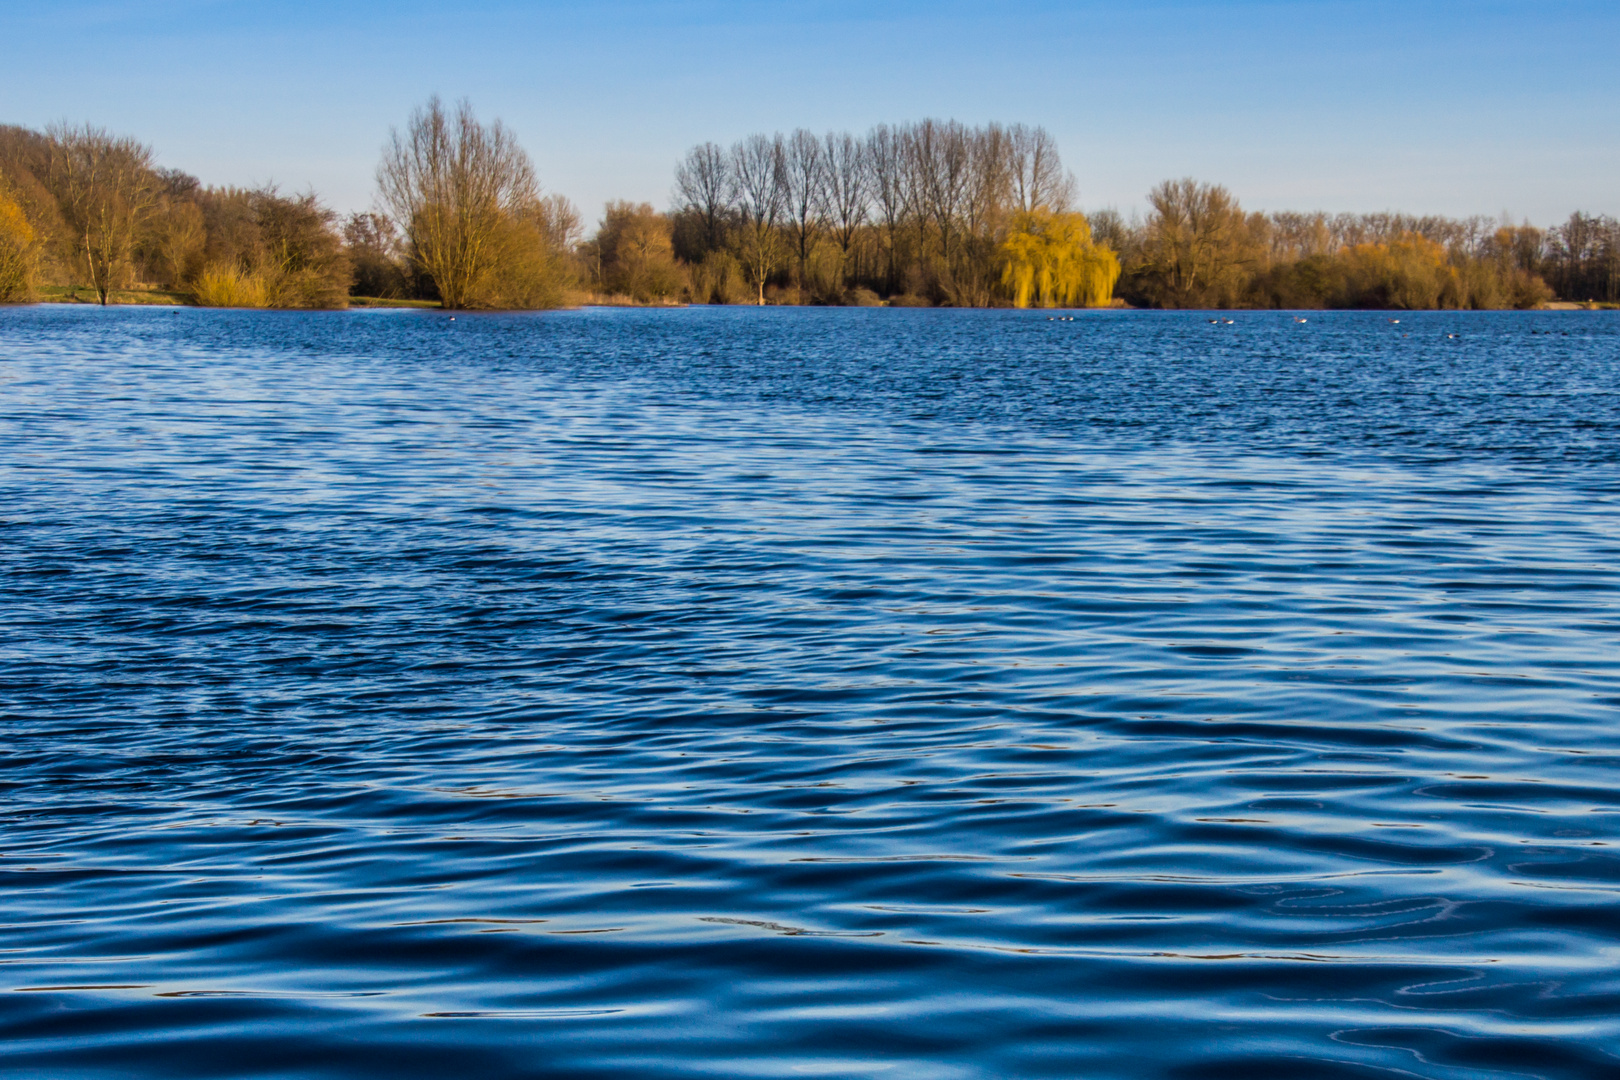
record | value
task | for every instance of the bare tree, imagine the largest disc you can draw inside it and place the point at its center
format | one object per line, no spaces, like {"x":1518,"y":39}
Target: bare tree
{"x":375,"y":251}
{"x":106,"y":188}
{"x":1035,"y":170}
{"x":803,"y":165}
{"x":989,"y":177}
{"x":1199,"y":245}
{"x":885,"y":159}
{"x":302,"y":250}
{"x":972,"y":277}
{"x":266,"y":249}
{"x":938,"y":157}
{"x":560,"y":221}
{"x":1583,"y":257}
{"x":758,"y":167}
{"x":1296,"y":236}
{"x":177,"y":238}
{"x":846,"y":189}
{"x":704,"y":185}
{"x":466,"y":197}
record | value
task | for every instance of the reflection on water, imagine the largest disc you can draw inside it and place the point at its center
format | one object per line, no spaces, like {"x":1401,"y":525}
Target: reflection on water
{"x":778,"y":693}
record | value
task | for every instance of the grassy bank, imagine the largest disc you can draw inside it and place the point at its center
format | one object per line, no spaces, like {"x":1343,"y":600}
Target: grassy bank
{"x":68,"y":294}
{"x":377,"y":301}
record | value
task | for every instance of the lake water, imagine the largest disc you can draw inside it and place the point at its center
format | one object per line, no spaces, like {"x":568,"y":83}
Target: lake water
{"x":849,"y":693}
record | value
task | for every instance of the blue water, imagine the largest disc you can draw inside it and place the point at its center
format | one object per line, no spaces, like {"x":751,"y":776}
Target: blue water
{"x":735,"y":693}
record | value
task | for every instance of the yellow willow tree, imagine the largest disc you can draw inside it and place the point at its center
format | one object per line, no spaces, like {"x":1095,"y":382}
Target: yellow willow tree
{"x":1049,"y":259}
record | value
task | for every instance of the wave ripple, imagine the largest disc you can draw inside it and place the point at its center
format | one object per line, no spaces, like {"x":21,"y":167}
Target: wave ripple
{"x":781,"y":693}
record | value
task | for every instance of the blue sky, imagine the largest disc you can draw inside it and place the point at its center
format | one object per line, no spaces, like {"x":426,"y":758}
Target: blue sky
{"x":1428,"y":107}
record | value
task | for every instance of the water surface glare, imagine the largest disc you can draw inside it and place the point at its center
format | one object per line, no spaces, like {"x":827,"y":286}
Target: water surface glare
{"x":733,"y":693}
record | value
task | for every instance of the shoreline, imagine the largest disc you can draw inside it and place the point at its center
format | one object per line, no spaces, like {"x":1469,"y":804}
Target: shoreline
{"x":161,"y":298}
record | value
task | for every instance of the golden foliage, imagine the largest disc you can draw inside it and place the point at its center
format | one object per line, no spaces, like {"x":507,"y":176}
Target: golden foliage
{"x":635,"y":255}
{"x":175,"y":239}
{"x":717,"y":279}
{"x":226,"y":286}
{"x":1199,"y":248}
{"x":1050,"y":259}
{"x":1405,"y":270}
{"x":524,"y":273}
{"x":466,"y":197}
{"x":1409,"y":272}
{"x":19,"y":250}
{"x":265,"y":249}
{"x":106,"y":188}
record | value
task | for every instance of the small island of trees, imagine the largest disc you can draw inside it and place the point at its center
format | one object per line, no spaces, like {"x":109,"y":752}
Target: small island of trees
{"x":931,"y":213}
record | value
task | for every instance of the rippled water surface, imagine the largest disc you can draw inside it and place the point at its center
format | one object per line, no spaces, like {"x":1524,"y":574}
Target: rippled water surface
{"x":734,"y":693}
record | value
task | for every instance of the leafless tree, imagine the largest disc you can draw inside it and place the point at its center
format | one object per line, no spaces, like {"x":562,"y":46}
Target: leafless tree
{"x":802,"y":167}
{"x":886,"y":164}
{"x":758,"y":166}
{"x":377,"y":255}
{"x":1036,"y":171}
{"x":846,"y":189}
{"x":466,"y":197}
{"x":106,"y":188}
{"x":1199,"y":245}
{"x":938,"y":157}
{"x":704,"y":185}
{"x":560,"y":221}
{"x":989,"y":176}
{"x":177,"y":238}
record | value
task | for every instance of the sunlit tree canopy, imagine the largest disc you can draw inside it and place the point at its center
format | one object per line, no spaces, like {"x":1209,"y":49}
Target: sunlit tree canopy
{"x":1052,"y":261}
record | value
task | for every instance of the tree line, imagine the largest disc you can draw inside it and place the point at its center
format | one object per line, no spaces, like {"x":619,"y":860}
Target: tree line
{"x":461,"y":221}
{"x":934,"y":212}
{"x":938,"y":213}
{"x":1198,"y":248}
{"x":927,"y":213}
{"x":83,"y":208}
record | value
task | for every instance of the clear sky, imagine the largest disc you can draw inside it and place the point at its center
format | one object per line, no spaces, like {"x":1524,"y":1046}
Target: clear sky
{"x":1423,"y":106}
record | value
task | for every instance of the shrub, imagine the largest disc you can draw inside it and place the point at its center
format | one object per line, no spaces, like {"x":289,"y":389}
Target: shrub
{"x":717,"y":279}
{"x":226,"y":286}
{"x":635,"y":253}
{"x":266,"y":249}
